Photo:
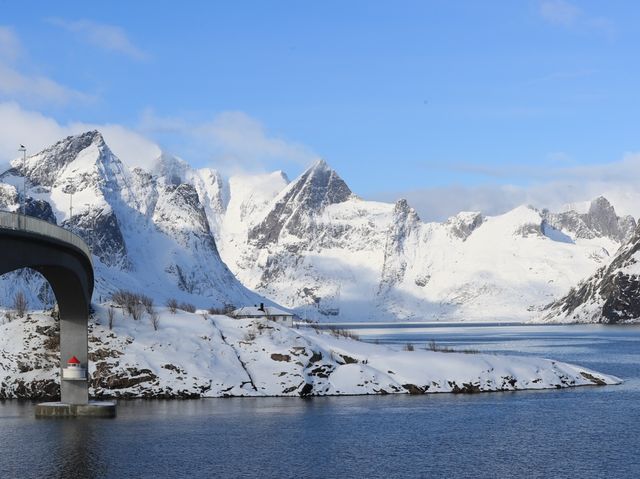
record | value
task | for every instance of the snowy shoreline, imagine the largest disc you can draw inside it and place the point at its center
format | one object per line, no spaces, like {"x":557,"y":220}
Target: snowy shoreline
{"x":196,"y":355}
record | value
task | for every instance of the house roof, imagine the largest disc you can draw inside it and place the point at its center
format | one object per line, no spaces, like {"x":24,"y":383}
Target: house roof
{"x":73,"y":360}
{"x":255,"y":312}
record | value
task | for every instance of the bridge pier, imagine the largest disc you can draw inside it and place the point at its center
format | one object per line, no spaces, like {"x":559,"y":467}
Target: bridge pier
{"x":65,"y":261}
{"x":73,"y":342}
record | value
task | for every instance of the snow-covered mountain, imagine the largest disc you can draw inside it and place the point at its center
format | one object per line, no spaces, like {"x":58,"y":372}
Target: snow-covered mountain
{"x":319,"y":249}
{"x":148,"y":231}
{"x":309,"y":244}
{"x":610,"y":295}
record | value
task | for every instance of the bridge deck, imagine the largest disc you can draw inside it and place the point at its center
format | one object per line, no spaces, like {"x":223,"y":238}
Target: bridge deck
{"x":19,"y":222}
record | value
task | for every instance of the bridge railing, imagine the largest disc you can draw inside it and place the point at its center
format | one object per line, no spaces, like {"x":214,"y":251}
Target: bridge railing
{"x":16,"y":221}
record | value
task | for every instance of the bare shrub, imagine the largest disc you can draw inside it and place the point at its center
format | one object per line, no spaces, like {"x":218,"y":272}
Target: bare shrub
{"x":131,"y":302}
{"x":226,"y":310}
{"x":120,"y":297}
{"x":147,"y":302}
{"x":172,"y":304}
{"x":110,"y":316}
{"x":343,"y":333}
{"x":409,"y":347}
{"x":20,"y":304}
{"x":135,"y":310}
{"x":155,"y":318}
{"x":8,"y":316}
{"x":188,"y":307}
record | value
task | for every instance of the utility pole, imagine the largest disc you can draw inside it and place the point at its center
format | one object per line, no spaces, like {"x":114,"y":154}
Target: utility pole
{"x":70,"y":205}
{"x":23,"y":150}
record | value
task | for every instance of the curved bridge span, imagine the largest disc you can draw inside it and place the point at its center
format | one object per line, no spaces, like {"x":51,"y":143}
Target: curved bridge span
{"x":65,"y":261}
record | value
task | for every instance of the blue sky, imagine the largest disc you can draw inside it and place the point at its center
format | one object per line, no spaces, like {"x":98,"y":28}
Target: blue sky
{"x":484,"y":103}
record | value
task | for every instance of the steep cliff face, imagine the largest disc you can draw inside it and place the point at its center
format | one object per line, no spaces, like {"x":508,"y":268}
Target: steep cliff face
{"x":610,"y":295}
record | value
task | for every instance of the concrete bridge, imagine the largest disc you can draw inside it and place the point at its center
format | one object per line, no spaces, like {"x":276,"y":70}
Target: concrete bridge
{"x":65,"y":261}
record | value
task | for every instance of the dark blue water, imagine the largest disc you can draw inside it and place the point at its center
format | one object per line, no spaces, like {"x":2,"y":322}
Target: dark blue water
{"x":584,"y":432}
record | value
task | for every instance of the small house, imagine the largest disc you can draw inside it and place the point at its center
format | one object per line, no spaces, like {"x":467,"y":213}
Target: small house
{"x":262,"y":311}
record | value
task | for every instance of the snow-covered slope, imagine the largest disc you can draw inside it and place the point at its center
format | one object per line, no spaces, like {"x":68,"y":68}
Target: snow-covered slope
{"x":611,"y":295}
{"x":194,"y":355}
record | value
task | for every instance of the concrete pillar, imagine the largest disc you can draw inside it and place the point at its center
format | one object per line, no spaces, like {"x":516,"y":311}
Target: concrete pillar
{"x":73,"y":342}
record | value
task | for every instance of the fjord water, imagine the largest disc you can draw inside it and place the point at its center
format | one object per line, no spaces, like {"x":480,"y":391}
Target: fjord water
{"x":581,"y":432}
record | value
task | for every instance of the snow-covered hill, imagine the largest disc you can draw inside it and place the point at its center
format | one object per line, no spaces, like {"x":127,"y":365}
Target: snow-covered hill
{"x":309,"y":244}
{"x":195,"y":355}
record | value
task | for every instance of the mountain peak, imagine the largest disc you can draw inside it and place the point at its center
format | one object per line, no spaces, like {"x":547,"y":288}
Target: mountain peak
{"x":601,"y":205}
{"x":43,"y":167}
{"x":171,"y":167}
{"x":319,"y":165}
{"x":318,"y":187}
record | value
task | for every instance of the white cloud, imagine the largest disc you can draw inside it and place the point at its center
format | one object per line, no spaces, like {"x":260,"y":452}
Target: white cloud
{"x":34,"y":89}
{"x":37,"y":132}
{"x":108,"y":37}
{"x":559,"y":186}
{"x":560,"y":12}
{"x":567,"y":15}
{"x":232,"y":141}
{"x":10,"y":46}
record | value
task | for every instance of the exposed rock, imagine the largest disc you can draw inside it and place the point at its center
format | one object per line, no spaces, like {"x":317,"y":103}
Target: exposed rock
{"x":611,"y":295}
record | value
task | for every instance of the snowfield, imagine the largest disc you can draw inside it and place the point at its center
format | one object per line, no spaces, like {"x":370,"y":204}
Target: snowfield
{"x":199,"y":355}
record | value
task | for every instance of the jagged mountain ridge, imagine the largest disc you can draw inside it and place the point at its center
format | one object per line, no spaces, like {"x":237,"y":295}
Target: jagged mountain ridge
{"x":344,"y":258}
{"x":309,"y":244}
{"x":148,"y":232}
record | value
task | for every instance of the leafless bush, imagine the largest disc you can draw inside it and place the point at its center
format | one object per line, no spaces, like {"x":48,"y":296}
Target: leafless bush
{"x":20,"y":304}
{"x":155,"y":318}
{"x":120,"y":297}
{"x":409,"y":347}
{"x":110,"y":316}
{"x":188,"y":307}
{"x":226,"y":310}
{"x":131,"y":302}
{"x":343,"y":333}
{"x":172,"y":304}
{"x":147,"y":302}
{"x":136,"y":310}
{"x":8,"y":316}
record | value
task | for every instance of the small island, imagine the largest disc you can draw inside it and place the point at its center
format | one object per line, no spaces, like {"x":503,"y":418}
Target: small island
{"x":180,"y":354}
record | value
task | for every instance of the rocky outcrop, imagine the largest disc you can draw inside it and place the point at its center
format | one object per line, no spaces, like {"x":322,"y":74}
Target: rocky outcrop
{"x":404,"y":223}
{"x":611,"y":295}
{"x":294,"y":210}
{"x":600,"y":221}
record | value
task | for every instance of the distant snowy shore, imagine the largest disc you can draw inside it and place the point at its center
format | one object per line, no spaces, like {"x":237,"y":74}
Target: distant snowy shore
{"x":194,"y":355}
